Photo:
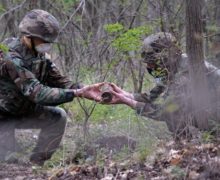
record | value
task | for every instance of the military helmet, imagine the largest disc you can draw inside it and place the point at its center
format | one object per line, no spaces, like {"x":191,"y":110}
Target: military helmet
{"x":162,"y":55}
{"x":155,"y":46}
{"x":41,"y":24}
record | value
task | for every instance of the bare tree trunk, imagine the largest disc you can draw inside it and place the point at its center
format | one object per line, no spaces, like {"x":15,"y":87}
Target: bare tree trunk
{"x":9,"y":19}
{"x":217,"y":18}
{"x":43,"y":4}
{"x":33,"y":4}
{"x":194,"y":47}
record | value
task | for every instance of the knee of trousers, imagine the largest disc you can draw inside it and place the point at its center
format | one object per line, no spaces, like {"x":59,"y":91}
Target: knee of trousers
{"x":59,"y":114}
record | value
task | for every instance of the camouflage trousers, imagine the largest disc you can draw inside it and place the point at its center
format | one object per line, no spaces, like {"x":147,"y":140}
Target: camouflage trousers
{"x":50,"y":120}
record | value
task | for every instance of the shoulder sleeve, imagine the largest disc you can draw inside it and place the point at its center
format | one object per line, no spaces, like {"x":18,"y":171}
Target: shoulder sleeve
{"x":31,"y":88}
{"x":156,"y":92}
{"x":153,"y":95}
{"x":56,"y":79}
{"x":141,"y":97}
{"x":148,"y":110}
{"x":213,"y":72}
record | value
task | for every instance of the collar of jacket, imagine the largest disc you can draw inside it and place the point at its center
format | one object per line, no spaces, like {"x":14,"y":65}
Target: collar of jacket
{"x":19,"y":50}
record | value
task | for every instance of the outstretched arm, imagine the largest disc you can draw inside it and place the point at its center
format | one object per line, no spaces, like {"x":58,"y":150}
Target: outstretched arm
{"x":91,"y":92}
{"x":121,"y":91}
{"x":142,"y":108}
{"x":31,"y":88}
{"x":56,"y":79}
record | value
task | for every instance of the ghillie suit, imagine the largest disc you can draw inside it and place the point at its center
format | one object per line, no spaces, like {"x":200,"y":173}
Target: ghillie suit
{"x":170,"y":100}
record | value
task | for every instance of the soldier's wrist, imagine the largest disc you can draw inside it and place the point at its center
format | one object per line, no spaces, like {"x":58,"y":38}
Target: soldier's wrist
{"x":69,"y":94}
{"x":131,"y":103}
{"x":129,"y":95}
{"x":78,"y":92}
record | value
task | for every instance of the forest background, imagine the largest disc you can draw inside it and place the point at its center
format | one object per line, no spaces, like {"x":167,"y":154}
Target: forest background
{"x":100,"y":40}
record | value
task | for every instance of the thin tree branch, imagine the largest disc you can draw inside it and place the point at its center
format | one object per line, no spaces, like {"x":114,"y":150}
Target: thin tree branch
{"x":138,"y":8}
{"x":82,"y":4}
{"x":13,"y":9}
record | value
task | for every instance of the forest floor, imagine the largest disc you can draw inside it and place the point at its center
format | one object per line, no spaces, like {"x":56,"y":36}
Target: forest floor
{"x":119,"y":151}
{"x":191,"y":160}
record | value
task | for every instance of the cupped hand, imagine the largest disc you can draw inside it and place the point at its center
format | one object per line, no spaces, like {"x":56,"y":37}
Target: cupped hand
{"x":91,"y":92}
{"x":120,"y":98}
{"x":117,"y":98}
{"x":121,"y":91}
{"x":116,"y":88}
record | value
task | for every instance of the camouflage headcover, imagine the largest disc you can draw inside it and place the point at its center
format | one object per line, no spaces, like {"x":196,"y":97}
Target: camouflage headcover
{"x":156,"y":46}
{"x":161,"y":49}
{"x":41,"y":24}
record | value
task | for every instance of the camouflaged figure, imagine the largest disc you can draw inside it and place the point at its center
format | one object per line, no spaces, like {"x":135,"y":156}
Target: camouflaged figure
{"x":41,"y":24}
{"x":156,"y":52}
{"x":26,"y":80}
{"x":30,"y":86}
{"x":171,"y":71}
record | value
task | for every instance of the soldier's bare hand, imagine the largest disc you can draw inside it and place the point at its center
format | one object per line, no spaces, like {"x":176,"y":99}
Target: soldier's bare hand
{"x":121,"y":91}
{"x":119,"y":98}
{"x":91,"y":92}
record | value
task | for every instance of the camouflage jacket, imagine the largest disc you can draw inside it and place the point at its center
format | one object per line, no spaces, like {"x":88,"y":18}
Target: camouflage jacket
{"x":27,"y":80}
{"x":153,"y":94}
{"x":175,"y":94}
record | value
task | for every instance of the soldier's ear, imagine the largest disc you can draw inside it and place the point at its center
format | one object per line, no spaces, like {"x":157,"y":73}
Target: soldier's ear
{"x":27,"y":42}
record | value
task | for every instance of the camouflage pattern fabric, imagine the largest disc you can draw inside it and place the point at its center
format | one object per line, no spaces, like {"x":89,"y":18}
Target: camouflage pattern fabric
{"x":152,"y":96}
{"x":41,"y":24}
{"x":50,"y":120}
{"x":159,"y":50}
{"x":174,"y":106}
{"x":27,"y":80}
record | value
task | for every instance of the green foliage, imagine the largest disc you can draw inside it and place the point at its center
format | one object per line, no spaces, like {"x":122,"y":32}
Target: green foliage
{"x":114,"y":28}
{"x":130,"y":40}
{"x":111,"y":113}
{"x":2,"y":10}
{"x":213,"y":28}
{"x":172,"y":107}
{"x":143,"y":152}
{"x":68,"y":4}
{"x":127,"y":40}
{"x":207,"y":137}
{"x":101,"y":113}
{"x":124,"y":3}
{"x":177,"y":172}
{"x":56,"y":159}
{"x":4,"y":48}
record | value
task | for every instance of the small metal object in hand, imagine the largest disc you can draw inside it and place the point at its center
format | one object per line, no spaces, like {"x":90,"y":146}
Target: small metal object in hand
{"x":106,"y":94}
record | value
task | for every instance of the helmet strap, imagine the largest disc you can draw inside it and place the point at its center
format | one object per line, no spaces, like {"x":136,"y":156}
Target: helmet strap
{"x":29,"y":43}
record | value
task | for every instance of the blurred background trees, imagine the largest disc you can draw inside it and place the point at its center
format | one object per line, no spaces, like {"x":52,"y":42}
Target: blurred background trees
{"x":102,"y":39}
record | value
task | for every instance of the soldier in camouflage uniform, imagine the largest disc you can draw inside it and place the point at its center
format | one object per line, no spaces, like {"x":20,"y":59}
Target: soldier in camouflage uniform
{"x":31,"y":86}
{"x":169,"y":67}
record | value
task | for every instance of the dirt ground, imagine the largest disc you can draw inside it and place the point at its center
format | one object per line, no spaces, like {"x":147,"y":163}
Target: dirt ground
{"x":21,"y":172}
{"x":193,"y":159}
{"x":190,"y":160}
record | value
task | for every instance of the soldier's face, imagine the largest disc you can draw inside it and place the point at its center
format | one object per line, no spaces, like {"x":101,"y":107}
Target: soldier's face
{"x":38,"y":41}
{"x":149,"y":61}
{"x":151,"y":65}
{"x":157,"y":70}
{"x":41,"y":46}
